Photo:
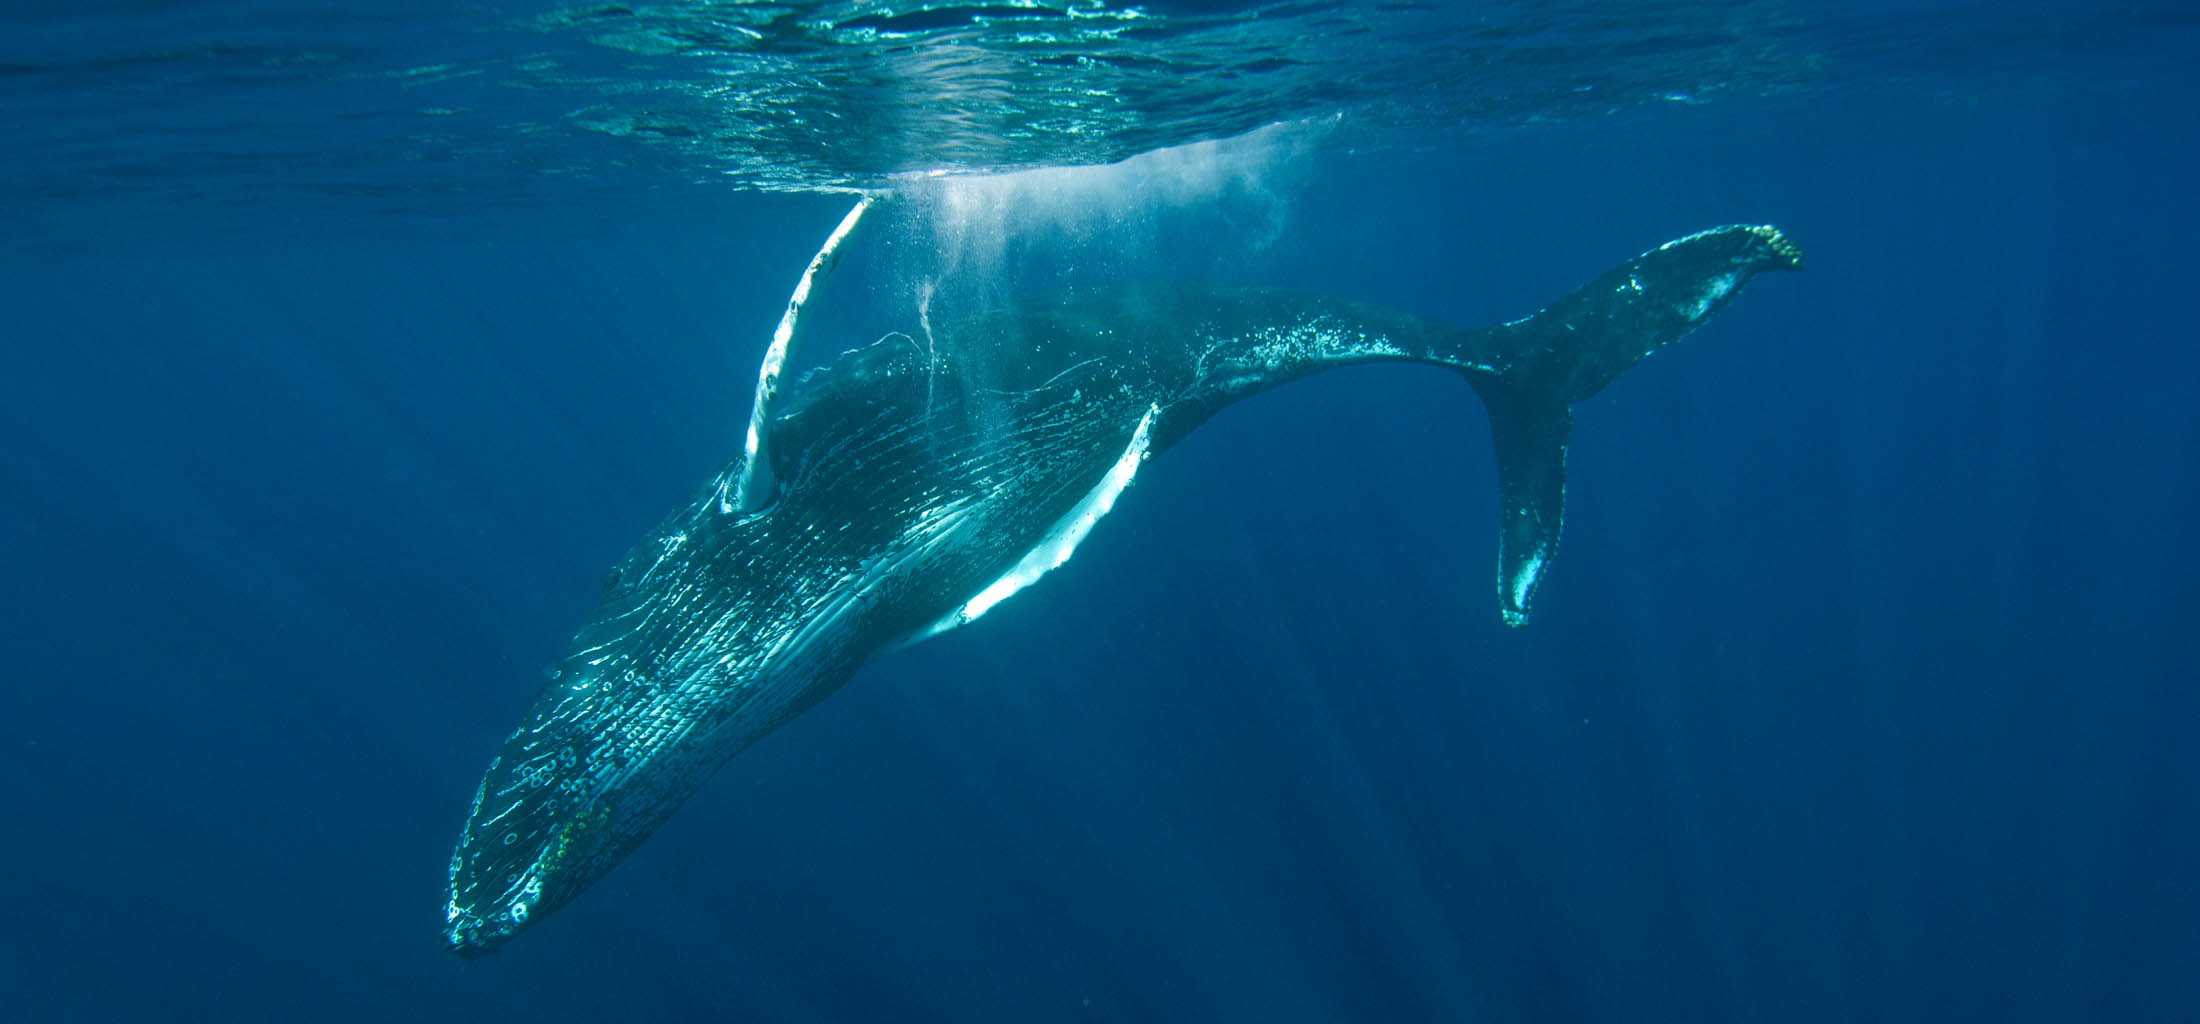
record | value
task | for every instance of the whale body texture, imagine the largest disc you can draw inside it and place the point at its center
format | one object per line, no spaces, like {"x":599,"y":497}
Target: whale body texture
{"x":918,"y":481}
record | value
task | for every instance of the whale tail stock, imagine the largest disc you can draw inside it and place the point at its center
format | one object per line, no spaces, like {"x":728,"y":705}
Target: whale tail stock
{"x":1531,"y":371}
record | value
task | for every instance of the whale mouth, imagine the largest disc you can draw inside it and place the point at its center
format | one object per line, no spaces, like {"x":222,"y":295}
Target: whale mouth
{"x":473,"y":936}
{"x":468,"y":943}
{"x":477,"y":924}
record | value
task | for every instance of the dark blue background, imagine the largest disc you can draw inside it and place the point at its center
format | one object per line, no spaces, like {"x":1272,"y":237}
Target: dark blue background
{"x":1860,"y":691}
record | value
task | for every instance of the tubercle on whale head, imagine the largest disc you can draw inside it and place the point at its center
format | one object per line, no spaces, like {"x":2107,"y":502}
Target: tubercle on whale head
{"x":473,"y":927}
{"x":473,"y":933}
{"x":477,"y":922}
{"x":612,"y":742}
{"x":540,"y":886}
{"x":539,"y":822}
{"x":476,"y":931}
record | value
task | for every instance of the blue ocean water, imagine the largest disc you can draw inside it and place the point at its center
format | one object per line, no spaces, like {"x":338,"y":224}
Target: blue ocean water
{"x":347,"y":345}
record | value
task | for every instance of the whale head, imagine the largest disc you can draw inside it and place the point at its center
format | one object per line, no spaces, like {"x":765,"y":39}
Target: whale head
{"x":689,"y":633}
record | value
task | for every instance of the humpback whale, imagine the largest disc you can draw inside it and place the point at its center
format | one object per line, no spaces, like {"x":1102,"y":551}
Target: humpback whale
{"x":908,"y":486}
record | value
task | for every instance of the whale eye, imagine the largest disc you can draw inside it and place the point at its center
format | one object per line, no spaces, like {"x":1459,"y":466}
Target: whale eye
{"x":611,"y":579}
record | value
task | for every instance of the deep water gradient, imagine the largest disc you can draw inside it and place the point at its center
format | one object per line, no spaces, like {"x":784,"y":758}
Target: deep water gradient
{"x":1860,"y":690}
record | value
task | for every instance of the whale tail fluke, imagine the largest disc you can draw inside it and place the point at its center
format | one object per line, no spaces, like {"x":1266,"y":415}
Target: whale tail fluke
{"x":1570,"y":351}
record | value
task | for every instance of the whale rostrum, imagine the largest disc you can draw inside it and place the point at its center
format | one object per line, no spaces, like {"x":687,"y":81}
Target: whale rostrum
{"x":913,"y":484}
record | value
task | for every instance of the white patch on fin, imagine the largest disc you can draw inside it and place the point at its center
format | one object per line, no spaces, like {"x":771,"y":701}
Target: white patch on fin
{"x":1055,"y":547}
{"x":1521,"y":588}
{"x":1714,"y":290}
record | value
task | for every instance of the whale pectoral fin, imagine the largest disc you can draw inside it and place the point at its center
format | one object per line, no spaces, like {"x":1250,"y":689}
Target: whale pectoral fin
{"x":753,"y":486}
{"x":1053,"y":547}
{"x":1529,"y":433}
